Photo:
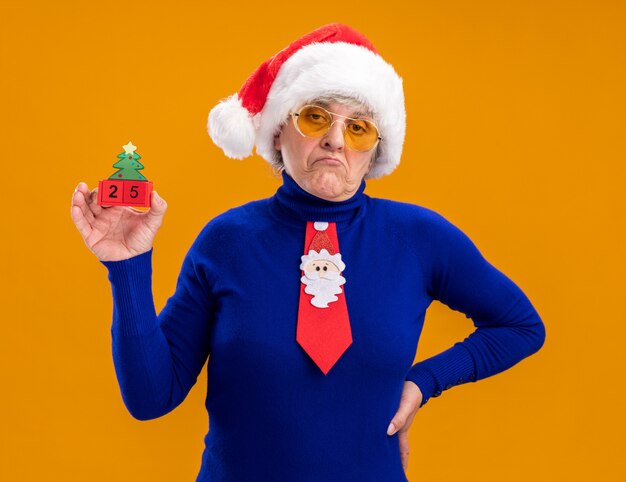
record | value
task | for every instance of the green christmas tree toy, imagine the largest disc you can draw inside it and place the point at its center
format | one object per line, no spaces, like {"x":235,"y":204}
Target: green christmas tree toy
{"x":127,"y":186}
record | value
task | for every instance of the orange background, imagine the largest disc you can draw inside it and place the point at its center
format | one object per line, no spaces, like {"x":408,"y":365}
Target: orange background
{"x":516,"y":117}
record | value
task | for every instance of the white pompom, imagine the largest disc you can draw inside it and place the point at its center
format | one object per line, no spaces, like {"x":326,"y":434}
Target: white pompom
{"x":231,"y":127}
{"x":320,"y":226}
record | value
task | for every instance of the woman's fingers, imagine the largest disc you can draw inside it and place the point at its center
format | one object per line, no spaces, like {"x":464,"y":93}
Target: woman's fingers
{"x":403,"y":438}
{"x":82,"y":187}
{"x":410,"y":402}
{"x":158,"y":206}
{"x":92,"y":202}
{"x":84,"y":228}
{"x":88,"y":200}
{"x":79,"y":201}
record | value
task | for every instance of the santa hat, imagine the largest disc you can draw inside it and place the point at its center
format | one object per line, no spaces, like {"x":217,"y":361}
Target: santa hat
{"x":332,"y":60}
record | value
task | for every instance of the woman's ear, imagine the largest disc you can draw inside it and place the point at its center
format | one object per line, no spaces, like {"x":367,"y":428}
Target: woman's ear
{"x":277,"y":142}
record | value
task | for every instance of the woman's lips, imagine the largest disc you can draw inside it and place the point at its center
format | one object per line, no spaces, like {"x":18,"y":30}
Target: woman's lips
{"x":329,"y":161}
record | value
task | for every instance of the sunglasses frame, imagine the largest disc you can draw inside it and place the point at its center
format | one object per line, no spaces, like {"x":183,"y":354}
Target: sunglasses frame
{"x":296,"y":115}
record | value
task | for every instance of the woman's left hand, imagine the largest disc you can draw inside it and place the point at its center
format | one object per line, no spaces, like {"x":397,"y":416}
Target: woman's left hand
{"x":409,"y":404}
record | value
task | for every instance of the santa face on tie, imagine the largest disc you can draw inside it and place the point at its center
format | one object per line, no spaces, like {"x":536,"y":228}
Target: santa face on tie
{"x":322,"y":276}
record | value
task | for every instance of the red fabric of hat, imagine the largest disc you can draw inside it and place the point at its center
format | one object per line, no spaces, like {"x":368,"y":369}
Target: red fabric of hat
{"x":253,"y":93}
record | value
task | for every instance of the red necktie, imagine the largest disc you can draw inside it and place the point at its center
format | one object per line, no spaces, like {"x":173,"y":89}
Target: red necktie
{"x":323,"y":324}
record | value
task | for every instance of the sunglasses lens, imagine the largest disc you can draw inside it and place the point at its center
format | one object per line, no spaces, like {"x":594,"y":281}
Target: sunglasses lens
{"x":314,"y":121}
{"x":360,"y":134}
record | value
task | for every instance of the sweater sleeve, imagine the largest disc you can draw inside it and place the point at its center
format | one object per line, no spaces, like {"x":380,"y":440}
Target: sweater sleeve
{"x":158,"y":358}
{"x":508,"y":328}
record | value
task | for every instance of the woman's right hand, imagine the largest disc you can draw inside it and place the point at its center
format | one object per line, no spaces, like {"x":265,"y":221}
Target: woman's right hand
{"x":115,"y":233}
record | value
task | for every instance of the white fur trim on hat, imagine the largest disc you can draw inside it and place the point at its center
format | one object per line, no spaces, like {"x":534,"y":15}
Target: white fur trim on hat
{"x":320,"y":69}
{"x":232,"y":128}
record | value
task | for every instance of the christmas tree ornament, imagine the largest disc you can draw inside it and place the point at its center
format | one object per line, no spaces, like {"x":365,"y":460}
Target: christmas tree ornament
{"x":323,"y":329}
{"x":127,"y":186}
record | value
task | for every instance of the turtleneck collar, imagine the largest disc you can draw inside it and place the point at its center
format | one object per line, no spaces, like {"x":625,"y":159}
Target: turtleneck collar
{"x":294,"y":204}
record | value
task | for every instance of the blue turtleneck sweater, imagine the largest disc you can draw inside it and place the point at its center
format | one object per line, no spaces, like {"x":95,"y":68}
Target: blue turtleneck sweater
{"x":274,"y":416}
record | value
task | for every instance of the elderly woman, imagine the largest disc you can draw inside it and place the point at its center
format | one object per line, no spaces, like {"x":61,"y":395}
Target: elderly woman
{"x":308,"y":304}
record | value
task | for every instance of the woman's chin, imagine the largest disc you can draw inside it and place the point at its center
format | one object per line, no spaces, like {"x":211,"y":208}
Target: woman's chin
{"x":330,"y":187}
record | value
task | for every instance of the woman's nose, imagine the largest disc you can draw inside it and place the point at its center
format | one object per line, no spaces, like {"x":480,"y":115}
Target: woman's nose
{"x":334,"y":137}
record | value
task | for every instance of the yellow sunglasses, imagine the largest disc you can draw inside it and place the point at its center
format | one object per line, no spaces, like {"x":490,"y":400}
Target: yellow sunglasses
{"x":314,"y":121}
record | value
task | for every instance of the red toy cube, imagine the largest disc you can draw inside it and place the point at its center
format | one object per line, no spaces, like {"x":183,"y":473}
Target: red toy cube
{"x":124,"y":193}
{"x":135,"y":193}
{"x":111,"y":193}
